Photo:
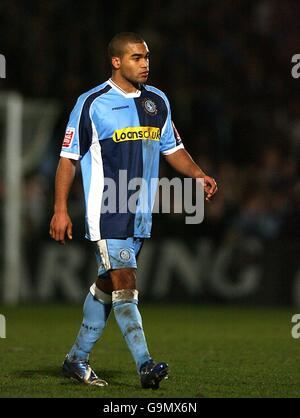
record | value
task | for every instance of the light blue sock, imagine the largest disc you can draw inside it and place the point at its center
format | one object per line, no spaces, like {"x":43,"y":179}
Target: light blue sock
{"x":95,"y":315}
{"x":129,"y":320}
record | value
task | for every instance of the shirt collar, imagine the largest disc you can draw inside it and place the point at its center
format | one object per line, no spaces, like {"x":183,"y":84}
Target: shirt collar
{"x":123,"y":92}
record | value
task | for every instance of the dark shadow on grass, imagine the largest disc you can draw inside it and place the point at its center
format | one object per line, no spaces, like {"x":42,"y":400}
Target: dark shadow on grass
{"x":49,"y":371}
{"x":110,"y":375}
{"x":57,"y":372}
{"x":200,"y":395}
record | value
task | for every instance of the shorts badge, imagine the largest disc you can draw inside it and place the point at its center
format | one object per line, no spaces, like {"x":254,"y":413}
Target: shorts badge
{"x":125,"y":255}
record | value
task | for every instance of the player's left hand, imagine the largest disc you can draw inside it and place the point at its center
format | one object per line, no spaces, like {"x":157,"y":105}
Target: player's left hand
{"x":210,"y":187}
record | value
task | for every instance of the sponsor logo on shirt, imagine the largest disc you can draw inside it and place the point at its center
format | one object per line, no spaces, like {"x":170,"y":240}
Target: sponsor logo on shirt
{"x":69,"y":135}
{"x":137,"y":133}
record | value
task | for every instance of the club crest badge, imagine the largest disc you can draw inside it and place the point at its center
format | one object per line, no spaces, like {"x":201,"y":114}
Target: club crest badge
{"x":124,"y":255}
{"x":150,"y":107}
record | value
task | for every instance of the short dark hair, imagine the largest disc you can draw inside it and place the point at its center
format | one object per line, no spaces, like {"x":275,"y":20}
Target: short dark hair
{"x":116,"y":46}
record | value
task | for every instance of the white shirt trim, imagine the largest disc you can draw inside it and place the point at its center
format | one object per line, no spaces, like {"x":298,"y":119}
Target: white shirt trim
{"x":70,"y":155}
{"x":172,"y":150}
{"x":121,"y":91}
{"x":94,"y":198}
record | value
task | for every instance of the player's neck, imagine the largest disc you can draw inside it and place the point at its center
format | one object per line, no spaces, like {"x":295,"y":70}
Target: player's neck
{"x":125,"y":85}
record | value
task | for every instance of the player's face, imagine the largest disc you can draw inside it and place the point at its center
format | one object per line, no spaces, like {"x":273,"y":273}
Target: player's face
{"x":134,"y":64}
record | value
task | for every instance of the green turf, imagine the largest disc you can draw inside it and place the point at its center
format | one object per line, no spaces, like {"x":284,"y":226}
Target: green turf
{"x":212,"y":351}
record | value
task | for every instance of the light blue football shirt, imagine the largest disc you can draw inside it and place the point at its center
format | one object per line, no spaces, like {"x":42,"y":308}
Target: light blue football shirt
{"x":111,"y":131}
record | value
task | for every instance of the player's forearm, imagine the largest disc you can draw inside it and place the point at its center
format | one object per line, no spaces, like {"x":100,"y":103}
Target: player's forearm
{"x":63,"y":181}
{"x":182,"y":162}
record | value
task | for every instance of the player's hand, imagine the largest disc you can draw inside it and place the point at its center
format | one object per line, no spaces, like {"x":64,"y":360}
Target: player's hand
{"x":61,"y":225}
{"x":210,"y":187}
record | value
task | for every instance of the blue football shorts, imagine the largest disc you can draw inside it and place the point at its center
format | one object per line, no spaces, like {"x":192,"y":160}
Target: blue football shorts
{"x":112,"y":254}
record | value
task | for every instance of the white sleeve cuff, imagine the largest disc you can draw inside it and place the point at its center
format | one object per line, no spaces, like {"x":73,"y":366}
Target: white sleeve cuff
{"x":172,"y":150}
{"x":70,"y":155}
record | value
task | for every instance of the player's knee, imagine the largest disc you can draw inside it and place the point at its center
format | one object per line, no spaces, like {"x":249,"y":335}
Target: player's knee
{"x":123,"y":279}
{"x":104,"y":284}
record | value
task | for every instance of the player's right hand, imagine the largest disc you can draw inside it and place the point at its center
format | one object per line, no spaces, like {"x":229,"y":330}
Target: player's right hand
{"x":61,"y":225}
{"x":210,"y":187}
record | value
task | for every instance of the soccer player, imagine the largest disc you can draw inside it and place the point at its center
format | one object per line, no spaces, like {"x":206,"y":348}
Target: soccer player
{"x":122,"y":124}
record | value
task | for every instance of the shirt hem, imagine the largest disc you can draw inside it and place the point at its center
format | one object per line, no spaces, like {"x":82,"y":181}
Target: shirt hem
{"x":117,"y":237}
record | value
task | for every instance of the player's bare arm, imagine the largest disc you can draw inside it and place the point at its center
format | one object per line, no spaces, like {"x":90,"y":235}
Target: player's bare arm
{"x":182,"y":162}
{"x":61,"y":223}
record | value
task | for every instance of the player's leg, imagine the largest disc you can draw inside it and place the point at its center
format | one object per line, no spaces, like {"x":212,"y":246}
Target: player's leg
{"x":125,"y":305}
{"x":125,"y":301}
{"x":96,"y":309}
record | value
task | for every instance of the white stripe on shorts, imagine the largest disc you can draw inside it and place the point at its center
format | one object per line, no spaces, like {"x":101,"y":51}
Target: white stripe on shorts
{"x":102,"y":245}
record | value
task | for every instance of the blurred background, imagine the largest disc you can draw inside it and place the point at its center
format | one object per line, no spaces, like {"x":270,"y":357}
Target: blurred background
{"x":226,"y":67}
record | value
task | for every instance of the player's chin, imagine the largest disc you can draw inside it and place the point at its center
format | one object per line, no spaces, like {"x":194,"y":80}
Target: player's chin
{"x":143,"y":78}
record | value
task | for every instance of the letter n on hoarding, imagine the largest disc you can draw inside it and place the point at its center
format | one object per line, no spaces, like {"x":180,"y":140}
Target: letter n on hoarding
{"x":2,"y":326}
{"x":2,"y":66}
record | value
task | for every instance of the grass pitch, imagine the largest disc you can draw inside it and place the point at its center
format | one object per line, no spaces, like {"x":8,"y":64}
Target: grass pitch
{"x":213,"y":351}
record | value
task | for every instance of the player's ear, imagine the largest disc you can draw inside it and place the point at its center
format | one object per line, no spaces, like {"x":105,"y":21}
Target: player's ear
{"x":116,"y":63}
